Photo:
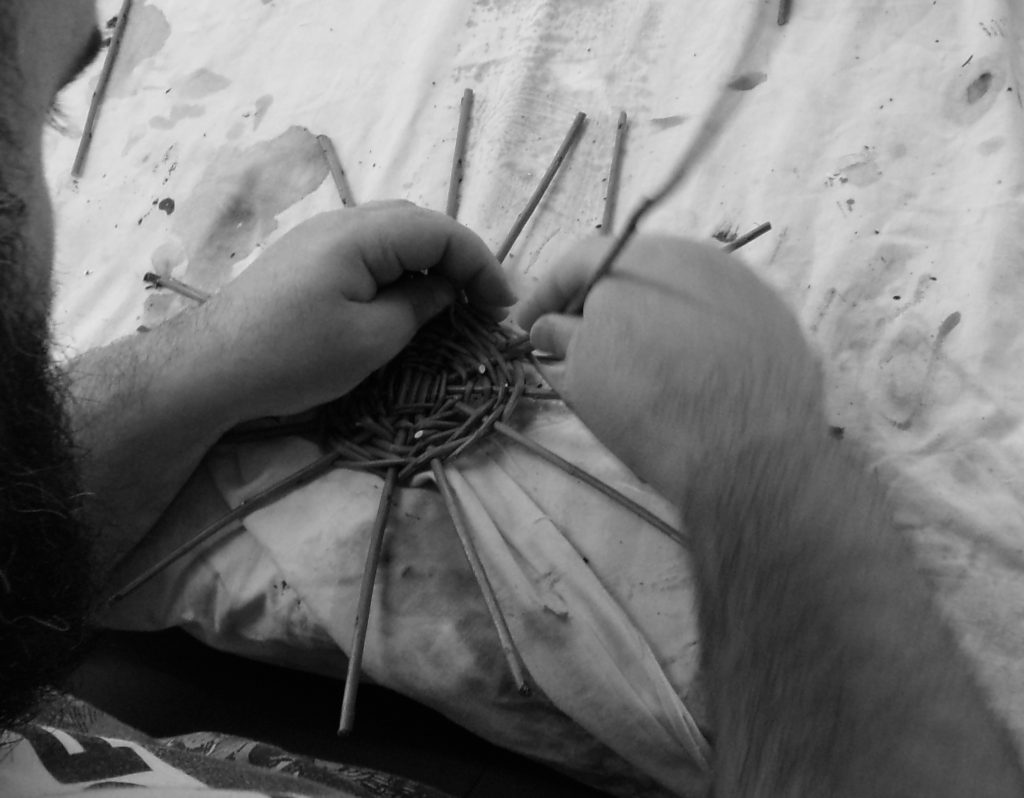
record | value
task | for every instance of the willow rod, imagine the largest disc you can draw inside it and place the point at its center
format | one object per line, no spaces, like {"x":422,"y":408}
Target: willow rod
{"x":355,"y":657}
{"x":575,"y":471}
{"x":477,"y":567}
{"x":614,"y":172}
{"x":517,"y":227}
{"x":255,"y":502}
{"x":746,"y":238}
{"x":178,"y":287}
{"x":101,"y":89}
{"x":337,"y":171}
{"x":785,"y":6}
{"x":459,"y":157}
{"x":721,"y":111}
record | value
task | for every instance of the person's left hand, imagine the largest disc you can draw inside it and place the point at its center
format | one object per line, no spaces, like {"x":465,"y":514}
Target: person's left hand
{"x":327,"y":305}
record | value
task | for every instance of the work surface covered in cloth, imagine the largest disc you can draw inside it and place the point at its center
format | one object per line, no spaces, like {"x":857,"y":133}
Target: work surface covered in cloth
{"x":882,"y":140}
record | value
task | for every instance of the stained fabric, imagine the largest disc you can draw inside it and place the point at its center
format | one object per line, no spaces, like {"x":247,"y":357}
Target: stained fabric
{"x":882,"y":140}
{"x":73,"y":749}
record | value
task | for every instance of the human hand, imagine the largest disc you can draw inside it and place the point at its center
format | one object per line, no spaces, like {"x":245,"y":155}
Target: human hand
{"x":681,"y":359}
{"x":329,"y":303}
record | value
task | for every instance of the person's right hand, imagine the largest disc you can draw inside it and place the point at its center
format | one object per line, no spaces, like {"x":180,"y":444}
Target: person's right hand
{"x":682,"y":357}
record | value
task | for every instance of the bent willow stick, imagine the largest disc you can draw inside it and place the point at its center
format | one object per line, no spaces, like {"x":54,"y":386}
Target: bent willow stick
{"x":718,"y":116}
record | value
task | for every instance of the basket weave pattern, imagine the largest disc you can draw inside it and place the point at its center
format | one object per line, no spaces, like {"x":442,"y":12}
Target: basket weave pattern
{"x":442,"y":393}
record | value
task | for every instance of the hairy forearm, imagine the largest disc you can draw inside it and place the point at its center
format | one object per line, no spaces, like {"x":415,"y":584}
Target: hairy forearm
{"x":830,"y":670}
{"x":142,"y":421}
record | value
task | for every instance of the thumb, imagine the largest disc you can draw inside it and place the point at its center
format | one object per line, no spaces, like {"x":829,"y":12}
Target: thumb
{"x":556,"y":375}
{"x":552,"y":334}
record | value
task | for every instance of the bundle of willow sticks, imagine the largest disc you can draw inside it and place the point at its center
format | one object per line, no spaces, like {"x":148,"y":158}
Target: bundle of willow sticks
{"x":460,"y":374}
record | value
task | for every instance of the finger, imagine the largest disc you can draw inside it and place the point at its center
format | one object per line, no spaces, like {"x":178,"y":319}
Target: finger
{"x":555,"y":376}
{"x":404,"y":307}
{"x":552,"y":333}
{"x":407,"y":238}
{"x":563,"y":280}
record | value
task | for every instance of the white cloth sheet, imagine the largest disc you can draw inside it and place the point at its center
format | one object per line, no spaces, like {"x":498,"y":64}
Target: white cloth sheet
{"x":884,"y":142}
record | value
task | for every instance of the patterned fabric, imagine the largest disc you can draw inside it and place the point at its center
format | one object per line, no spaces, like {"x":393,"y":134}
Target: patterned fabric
{"x":40,"y":760}
{"x":359,"y":780}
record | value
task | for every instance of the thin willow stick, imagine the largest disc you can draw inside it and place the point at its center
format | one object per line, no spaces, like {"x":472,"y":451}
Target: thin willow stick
{"x":178,"y":287}
{"x":517,"y":227}
{"x":746,"y":238}
{"x":584,"y":476}
{"x":721,"y":112}
{"x":337,"y":171}
{"x":477,"y":567}
{"x":250,"y":505}
{"x":101,"y":89}
{"x":355,"y":658}
{"x":614,"y":171}
{"x":784,"y":9}
{"x":459,"y":158}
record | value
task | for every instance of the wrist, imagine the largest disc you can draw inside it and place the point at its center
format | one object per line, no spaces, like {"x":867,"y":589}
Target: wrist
{"x":188,"y":383}
{"x":770,"y":495}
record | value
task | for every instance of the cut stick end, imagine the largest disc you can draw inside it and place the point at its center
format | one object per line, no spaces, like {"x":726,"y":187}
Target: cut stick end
{"x":337,"y":171}
{"x":83,"y":149}
{"x":347,"y":718}
{"x":746,"y":238}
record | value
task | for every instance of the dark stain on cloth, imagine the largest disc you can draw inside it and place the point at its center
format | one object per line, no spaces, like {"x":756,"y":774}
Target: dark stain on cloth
{"x":201,"y":83}
{"x":262,"y":105}
{"x":666,"y":122}
{"x":145,"y":35}
{"x":928,"y":362}
{"x":748,"y":81}
{"x":178,"y":112}
{"x":978,"y":87}
{"x":974,"y":90}
{"x":235,"y":204}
